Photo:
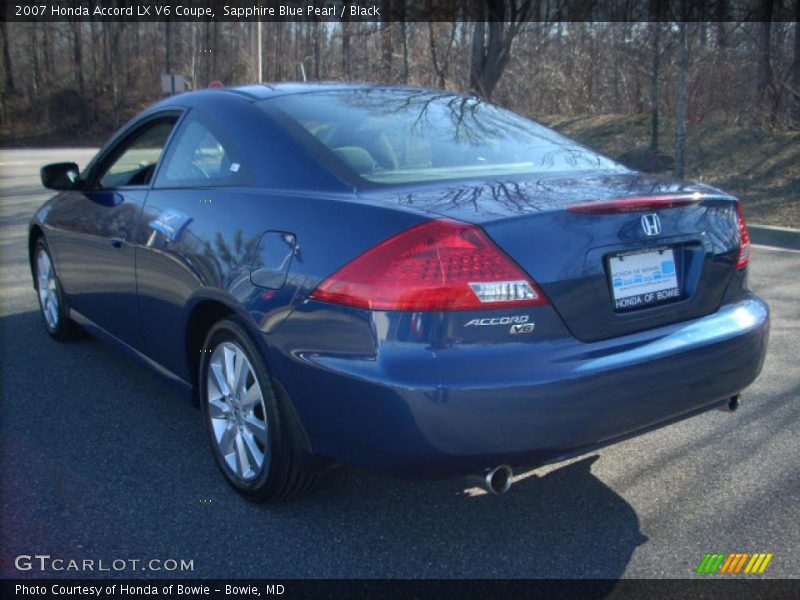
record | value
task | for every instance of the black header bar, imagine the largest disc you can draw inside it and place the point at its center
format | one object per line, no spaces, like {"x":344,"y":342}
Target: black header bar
{"x":334,"y":11}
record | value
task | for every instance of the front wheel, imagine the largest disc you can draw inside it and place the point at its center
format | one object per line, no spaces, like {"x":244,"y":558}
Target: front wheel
{"x":242,"y":414}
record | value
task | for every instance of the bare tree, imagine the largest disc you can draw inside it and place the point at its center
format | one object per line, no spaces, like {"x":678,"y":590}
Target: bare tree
{"x":721,"y":14}
{"x":213,"y":47}
{"x":8,"y":80}
{"x":35,"y":74}
{"x":95,"y":83}
{"x":386,"y":45}
{"x":317,"y":49}
{"x":404,"y":38}
{"x":680,"y":118}
{"x":77,"y":61}
{"x":654,"y":114}
{"x":764,"y":76}
{"x":440,"y":59}
{"x":346,"y":62}
{"x":492,"y":40}
{"x":403,"y":33}
{"x":796,"y":64}
{"x":168,"y":46}
{"x":544,"y":68}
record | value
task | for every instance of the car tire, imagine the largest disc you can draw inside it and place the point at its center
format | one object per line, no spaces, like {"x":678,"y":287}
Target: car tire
{"x":52,"y":301}
{"x":244,"y":418}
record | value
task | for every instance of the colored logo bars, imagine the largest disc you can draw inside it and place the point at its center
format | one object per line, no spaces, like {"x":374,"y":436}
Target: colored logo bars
{"x":721,"y":563}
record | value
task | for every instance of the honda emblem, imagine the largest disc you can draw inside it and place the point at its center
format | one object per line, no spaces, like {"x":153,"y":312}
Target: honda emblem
{"x":651,"y":224}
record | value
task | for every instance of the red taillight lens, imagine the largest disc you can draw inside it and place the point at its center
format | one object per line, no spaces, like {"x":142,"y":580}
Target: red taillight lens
{"x":634,"y":204}
{"x":437,"y":265}
{"x":744,"y":239}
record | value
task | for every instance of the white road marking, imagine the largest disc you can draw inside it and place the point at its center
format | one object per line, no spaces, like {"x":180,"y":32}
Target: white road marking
{"x":775,"y":248}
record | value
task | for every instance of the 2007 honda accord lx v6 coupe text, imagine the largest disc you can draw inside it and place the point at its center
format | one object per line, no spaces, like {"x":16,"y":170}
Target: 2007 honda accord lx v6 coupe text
{"x":401,"y":279}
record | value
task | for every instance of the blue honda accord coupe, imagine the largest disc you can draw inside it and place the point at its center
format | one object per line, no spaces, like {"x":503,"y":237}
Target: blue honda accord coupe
{"x":403,"y":279}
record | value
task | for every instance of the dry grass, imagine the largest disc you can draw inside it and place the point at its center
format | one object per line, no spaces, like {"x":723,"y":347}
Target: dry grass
{"x":761,"y":168}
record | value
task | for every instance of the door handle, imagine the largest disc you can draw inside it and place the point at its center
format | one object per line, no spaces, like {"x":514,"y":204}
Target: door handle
{"x":116,"y":242}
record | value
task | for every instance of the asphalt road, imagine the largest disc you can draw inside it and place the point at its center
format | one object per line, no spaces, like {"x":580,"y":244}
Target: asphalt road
{"x":102,"y":459}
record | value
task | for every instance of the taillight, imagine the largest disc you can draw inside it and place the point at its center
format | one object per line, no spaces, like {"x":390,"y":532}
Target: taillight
{"x":437,"y":265}
{"x":744,"y":239}
{"x":634,"y":204}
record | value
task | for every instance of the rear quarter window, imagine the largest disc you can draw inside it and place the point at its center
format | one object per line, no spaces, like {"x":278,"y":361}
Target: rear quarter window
{"x":201,"y":156}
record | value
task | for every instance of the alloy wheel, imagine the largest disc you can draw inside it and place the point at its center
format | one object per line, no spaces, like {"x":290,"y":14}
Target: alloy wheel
{"x":47,"y":288}
{"x":237,"y":412}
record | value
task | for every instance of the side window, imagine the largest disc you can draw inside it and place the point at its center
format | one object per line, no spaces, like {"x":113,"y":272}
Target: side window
{"x":136,"y":160}
{"x":200,"y":157}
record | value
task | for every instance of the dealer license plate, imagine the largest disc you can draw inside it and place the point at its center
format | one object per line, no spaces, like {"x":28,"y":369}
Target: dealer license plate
{"x":642,"y":278}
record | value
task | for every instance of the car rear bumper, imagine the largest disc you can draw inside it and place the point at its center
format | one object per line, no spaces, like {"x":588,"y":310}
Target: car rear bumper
{"x":524,"y":404}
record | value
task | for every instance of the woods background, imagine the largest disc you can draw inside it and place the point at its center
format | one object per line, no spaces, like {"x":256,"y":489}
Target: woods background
{"x":78,"y":81}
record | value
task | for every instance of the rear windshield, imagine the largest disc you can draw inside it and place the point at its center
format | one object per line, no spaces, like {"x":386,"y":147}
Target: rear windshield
{"x":411,"y":136}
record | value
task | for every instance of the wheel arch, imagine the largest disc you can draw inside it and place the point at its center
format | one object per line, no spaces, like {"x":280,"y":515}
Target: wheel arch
{"x":202,"y":313}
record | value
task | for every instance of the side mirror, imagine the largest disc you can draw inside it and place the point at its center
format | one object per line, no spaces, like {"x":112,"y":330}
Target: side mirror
{"x":60,"y":176}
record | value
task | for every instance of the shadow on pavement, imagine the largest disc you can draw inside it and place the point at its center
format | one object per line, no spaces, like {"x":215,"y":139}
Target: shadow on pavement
{"x":101,"y":458}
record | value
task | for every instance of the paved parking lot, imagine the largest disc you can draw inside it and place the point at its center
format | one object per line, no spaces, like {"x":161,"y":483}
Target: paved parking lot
{"x":102,"y":459}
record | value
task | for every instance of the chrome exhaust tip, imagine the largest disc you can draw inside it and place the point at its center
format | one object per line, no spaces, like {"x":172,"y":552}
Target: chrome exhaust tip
{"x":496,"y":481}
{"x":732,"y":405}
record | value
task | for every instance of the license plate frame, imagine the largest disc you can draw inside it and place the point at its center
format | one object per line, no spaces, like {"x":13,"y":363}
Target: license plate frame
{"x":643,"y":277}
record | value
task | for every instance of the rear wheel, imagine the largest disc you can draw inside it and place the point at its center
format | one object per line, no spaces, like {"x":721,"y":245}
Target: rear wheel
{"x":243,"y":417}
{"x":52,"y":301}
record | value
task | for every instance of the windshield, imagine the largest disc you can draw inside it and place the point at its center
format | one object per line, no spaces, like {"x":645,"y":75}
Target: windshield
{"x":411,"y":136}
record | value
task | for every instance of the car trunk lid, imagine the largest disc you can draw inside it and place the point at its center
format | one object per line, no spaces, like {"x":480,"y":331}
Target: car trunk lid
{"x":614,"y":254}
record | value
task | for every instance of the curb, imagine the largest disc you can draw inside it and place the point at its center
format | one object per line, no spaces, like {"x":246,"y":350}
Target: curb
{"x":768,"y":235}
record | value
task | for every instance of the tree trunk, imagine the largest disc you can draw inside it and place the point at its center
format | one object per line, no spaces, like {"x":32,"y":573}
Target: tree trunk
{"x":77,"y":62}
{"x":796,"y":64}
{"x":478,"y":50}
{"x":95,"y":84}
{"x":35,"y":65}
{"x":47,"y":76}
{"x":402,"y":39}
{"x":206,"y":55}
{"x":764,"y":77}
{"x":48,"y":43}
{"x":404,"y":30}
{"x":492,"y":40}
{"x":317,"y":51}
{"x":654,"y":115}
{"x":8,"y":79}
{"x":168,"y":47}
{"x":680,"y":120}
{"x":440,"y":58}
{"x":721,"y":17}
{"x":345,"y":49}
{"x":193,"y":50}
{"x":491,"y":48}
{"x":590,"y":86}
{"x":111,"y":34}
{"x":277,"y":58}
{"x":214,"y":47}
{"x":434,"y":58}
{"x":363,"y":28}
{"x":386,"y":49}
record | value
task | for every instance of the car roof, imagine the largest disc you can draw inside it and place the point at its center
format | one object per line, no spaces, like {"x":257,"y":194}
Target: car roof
{"x":264,"y":91}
